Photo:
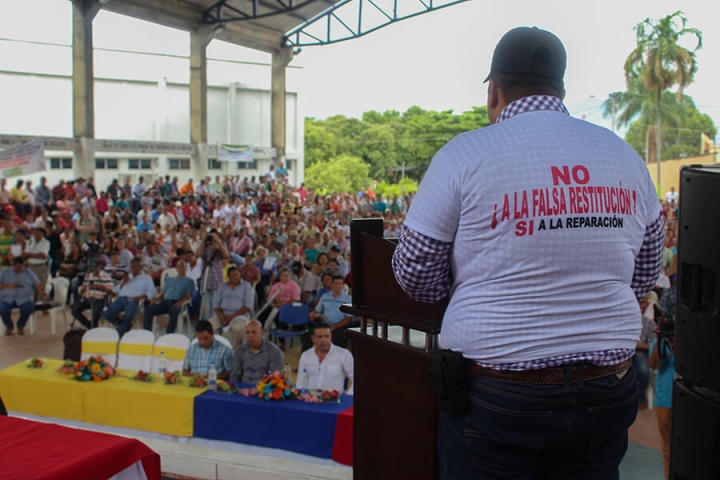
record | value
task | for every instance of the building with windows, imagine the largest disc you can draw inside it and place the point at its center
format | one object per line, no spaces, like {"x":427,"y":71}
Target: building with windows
{"x":142,"y":101}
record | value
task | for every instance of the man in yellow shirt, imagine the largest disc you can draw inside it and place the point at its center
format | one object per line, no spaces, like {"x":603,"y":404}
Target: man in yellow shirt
{"x":19,"y":199}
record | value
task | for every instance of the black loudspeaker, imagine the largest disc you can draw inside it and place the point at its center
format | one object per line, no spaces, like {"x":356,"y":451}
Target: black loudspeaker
{"x":697,"y":326}
{"x":695,"y":442}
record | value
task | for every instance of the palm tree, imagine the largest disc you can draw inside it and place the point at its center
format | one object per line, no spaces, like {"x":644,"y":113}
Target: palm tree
{"x":660,"y":63}
{"x":638,"y":103}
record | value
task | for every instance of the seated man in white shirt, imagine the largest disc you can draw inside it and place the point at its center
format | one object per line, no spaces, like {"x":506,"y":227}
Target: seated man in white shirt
{"x":131,"y":291}
{"x":233,"y":303}
{"x":326,"y":366}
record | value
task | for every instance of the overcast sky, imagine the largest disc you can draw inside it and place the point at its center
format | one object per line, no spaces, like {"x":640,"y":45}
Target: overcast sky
{"x":437,"y":60}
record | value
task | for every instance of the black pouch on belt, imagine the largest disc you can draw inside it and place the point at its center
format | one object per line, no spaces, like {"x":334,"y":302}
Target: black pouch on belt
{"x":450,"y":378}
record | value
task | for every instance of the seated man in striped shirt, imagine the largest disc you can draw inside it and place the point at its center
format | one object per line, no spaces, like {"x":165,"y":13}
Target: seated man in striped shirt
{"x":97,"y":284}
{"x":116,"y":268}
{"x":155,"y":261}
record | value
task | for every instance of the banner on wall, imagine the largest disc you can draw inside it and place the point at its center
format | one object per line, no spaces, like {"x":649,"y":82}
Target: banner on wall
{"x":234,"y":153}
{"x":24,"y":159}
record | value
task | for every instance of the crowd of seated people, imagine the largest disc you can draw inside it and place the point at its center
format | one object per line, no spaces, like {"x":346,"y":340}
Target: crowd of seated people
{"x":234,"y":250}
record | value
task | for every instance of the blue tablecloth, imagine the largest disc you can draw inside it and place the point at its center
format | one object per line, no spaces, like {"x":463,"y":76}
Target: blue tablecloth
{"x":293,"y":425}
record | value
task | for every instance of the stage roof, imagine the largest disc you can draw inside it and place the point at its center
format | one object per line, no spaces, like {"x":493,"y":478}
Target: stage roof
{"x":270,"y":25}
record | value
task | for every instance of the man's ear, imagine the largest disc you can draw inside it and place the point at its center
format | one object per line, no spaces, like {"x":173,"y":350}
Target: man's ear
{"x":495,"y":102}
{"x":493,"y":95}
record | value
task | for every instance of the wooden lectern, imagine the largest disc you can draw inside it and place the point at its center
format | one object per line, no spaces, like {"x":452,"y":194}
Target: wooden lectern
{"x":395,"y":413}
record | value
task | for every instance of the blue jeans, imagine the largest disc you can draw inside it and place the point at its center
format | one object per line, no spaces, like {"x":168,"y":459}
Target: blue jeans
{"x":125,"y":306}
{"x":26,"y":309}
{"x":527,"y":431}
{"x":194,"y":307}
{"x":643,"y":373}
{"x":95,"y":304}
{"x":160,"y":308}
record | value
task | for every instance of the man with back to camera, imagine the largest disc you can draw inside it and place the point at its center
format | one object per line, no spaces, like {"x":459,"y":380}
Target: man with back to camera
{"x":546,"y":231}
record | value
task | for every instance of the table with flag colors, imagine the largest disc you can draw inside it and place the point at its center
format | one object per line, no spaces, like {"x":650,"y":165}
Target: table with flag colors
{"x":318,"y":429}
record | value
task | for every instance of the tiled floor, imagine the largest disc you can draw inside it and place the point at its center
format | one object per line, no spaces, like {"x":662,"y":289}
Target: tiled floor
{"x":642,"y":462}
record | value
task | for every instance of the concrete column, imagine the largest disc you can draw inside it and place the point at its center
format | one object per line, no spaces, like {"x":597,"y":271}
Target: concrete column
{"x":199,"y":41}
{"x":161,"y":111}
{"x":83,"y":88}
{"x":232,"y":113}
{"x":280,"y":60}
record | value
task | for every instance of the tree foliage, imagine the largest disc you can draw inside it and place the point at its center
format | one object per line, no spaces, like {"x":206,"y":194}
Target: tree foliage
{"x":405,"y":185}
{"x":681,"y":130}
{"x":344,"y":173}
{"x":389,"y":139}
{"x":658,"y":59}
{"x":660,"y":63}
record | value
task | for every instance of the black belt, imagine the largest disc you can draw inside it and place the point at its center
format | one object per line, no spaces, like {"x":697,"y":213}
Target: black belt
{"x":551,"y":375}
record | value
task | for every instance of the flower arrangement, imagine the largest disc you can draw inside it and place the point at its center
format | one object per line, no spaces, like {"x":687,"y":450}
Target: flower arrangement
{"x":173,"y":378}
{"x":68,"y":367}
{"x":36,"y":362}
{"x":94,"y":368}
{"x":275,"y":386}
{"x":198,"y":381}
{"x":142,"y":376}
{"x":225,"y":387}
{"x":317,"y":396}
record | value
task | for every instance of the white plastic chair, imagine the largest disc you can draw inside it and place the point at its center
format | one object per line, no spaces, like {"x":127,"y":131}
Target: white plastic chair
{"x":135,"y":350}
{"x":100,"y":341}
{"x":60,"y":285}
{"x":184,"y":317}
{"x":219,"y":338}
{"x":139,"y":319}
{"x":168,"y":272}
{"x":174,"y":345}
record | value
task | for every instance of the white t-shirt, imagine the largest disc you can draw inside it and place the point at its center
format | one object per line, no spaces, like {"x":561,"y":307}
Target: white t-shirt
{"x":546,"y":214}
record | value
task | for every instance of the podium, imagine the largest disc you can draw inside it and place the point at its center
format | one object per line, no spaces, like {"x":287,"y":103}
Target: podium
{"x":395,"y":430}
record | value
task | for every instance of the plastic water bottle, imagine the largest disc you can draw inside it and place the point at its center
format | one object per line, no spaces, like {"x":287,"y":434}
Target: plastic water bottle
{"x":287,"y":372}
{"x":162,"y":364}
{"x":212,"y":377}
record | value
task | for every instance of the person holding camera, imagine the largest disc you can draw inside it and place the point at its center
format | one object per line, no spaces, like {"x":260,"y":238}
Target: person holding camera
{"x":213,"y":253}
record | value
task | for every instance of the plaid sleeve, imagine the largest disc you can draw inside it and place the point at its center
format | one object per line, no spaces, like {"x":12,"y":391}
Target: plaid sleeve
{"x":649,"y":260}
{"x":422,"y":265}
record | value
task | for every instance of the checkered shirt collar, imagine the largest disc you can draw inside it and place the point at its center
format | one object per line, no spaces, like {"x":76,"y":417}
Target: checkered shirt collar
{"x":531,"y":104}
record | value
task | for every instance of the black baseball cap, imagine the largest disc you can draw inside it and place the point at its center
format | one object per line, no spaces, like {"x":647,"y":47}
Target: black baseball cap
{"x":530,"y":51}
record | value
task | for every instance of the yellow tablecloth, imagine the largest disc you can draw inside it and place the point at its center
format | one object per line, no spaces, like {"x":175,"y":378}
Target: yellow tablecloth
{"x":117,"y":402}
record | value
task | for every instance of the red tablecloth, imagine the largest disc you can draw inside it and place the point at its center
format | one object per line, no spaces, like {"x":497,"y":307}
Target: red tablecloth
{"x":34,"y":450}
{"x":343,"y":447}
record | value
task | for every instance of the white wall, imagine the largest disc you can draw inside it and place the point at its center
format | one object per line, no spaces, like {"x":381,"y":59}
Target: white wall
{"x":141,"y":92}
